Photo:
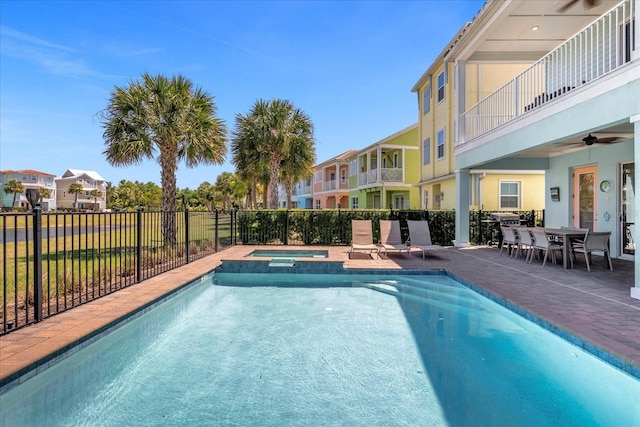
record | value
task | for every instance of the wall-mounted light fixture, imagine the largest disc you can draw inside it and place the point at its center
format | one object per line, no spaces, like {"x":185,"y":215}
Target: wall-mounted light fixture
{"x":442,"y":196}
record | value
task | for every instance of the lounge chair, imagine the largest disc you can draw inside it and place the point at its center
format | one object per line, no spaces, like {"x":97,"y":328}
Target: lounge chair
{"x":390,"y":237}
{"x":420,"y":237}
{"x":362,"y":236}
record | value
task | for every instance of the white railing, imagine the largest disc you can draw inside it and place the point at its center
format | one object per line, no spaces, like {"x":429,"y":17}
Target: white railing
{"x":392,"y":175}
{"x":329,"y":185}
{"x":306,"y":189}
{"x":386,"y":175}
{"x":597,"y":50}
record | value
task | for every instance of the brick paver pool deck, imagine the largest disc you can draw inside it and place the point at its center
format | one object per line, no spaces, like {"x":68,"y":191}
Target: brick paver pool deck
{"x":593,"y":306}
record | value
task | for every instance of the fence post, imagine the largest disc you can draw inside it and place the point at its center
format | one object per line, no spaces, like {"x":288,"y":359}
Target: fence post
{"x":480,"y":230}
{"x":139,"y":246}
{"x":215,"y":232}
{"x":286,"y":228}
{"x":37,"y":263}
{"x":186,"y":233}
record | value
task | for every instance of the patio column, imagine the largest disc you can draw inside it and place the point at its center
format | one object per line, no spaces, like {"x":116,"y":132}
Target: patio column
{"x":635,"y":290}
{"x":462,"y":208}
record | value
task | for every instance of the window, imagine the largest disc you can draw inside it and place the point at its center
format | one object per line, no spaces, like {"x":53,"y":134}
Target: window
{"x":317,"y":203}
{"x":384,"y":162}
{"x":317,"y":177}
{"x":509,"y":195}
{"x":441,"y":82}
{"x":426,"y":100}
{"x":426,"y":199}
{"x":354,"y":203}
{"x":353,"y":168}
{"x":440,"y":144}
{"x":395,"y":160}
{"x":426,"y":151}
{"x":34,"y":178}
{"x":343,"y":175}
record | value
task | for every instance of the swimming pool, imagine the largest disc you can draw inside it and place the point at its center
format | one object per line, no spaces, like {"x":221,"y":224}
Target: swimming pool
{"x":283,"y":349}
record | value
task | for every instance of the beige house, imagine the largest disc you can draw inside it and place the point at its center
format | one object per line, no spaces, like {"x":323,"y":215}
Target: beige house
{"x":93,"y":196}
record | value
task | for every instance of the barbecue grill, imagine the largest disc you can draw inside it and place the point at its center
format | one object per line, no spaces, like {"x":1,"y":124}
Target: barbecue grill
{"x":500,"y":219}
{"x":505,"y":218}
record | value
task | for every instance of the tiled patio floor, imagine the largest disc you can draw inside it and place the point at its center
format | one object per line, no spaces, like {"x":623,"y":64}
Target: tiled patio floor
{"x":594,"y":306}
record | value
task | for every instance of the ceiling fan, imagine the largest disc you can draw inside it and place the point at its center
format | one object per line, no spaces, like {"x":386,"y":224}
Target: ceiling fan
{"x":589,"y":4}
{"x":591,"y":139}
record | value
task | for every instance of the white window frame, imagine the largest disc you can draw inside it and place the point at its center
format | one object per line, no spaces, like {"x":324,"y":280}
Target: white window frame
{"x":426,"y":151}
{"x":518,"y":196}
{"x":440,"y":144}
{"x":318,"y":206}
{"x":354,"y":202}
{"x":442,"y":82}
{"x":317,"y":176}
{"x":426,"y":100}
{"x":343,"y":175}
{"x":395,"y":160}
{"x":353,"y":167}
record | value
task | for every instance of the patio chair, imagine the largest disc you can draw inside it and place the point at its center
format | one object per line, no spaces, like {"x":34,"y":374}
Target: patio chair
{"x":576,"y":243}
{"x":596,"y":241}
{"x":390,"y":237}
{"x":362,"y":236}
{"x":509,"y":238}
{"x":420,"y":237}
{"x":541,"y":242}
{"x":525,"y":243}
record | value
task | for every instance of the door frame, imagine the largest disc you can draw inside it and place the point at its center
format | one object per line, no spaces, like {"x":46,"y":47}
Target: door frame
{"x":620,"y":213}
{"x":576,"y":194}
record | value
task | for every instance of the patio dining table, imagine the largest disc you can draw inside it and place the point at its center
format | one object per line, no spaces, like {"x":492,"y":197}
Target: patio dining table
{"x":566,"y":234}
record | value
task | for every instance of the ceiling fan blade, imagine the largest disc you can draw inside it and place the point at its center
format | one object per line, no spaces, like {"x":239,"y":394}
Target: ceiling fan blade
{"x":567,"y":6}
{"x":607,"y":140}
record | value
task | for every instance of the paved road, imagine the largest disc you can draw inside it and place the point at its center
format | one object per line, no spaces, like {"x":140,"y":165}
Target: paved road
{"x":21,"y":234}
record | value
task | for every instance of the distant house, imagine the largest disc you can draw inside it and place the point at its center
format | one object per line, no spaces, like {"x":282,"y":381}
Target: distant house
{"x":386,"y":173}
{"x":29,"y":179}
{"x":90,"y":180}
{"x":331,"y":182}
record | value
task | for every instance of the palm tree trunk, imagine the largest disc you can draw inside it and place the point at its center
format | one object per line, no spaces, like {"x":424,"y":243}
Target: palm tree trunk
{"x":274,"y":171}
{"x":13,"y":204}
{"x":288,"y":187}
{"x":168,"y":165}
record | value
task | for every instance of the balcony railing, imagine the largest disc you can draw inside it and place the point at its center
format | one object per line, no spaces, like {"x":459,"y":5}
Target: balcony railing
{"x":386,"y":175}
{"x":335,"y":184}
{"x":599,"y":49}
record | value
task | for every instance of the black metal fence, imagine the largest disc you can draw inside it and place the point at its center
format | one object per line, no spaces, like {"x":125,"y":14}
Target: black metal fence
{"x":51,"y":262}
{"x":333,"y":227}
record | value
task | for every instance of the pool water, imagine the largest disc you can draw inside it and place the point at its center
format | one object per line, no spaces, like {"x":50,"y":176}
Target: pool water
{"x":357,"y":350}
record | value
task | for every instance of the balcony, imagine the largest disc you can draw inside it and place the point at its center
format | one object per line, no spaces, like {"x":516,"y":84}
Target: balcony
{"x":386,"y":175}
{"x":334,"y":184}
{"x":599,"y":49}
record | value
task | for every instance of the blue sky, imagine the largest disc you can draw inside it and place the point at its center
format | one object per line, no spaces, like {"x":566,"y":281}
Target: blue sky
{"x":350,"y":65}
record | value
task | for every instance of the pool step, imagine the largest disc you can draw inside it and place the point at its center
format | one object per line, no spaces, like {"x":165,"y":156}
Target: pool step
{"x":282,"y":262}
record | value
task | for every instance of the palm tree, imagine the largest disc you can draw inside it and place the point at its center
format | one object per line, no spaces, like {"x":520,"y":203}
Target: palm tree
{"x":45,"y":193}
{"x":13,"y":186}
{"x":297,"y":164}
{"x":170,"y":116}
{"x":95,"y":194}
{"x":75,"y":189}
{"x":273,"y":127}
{"x":251,"y":166}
